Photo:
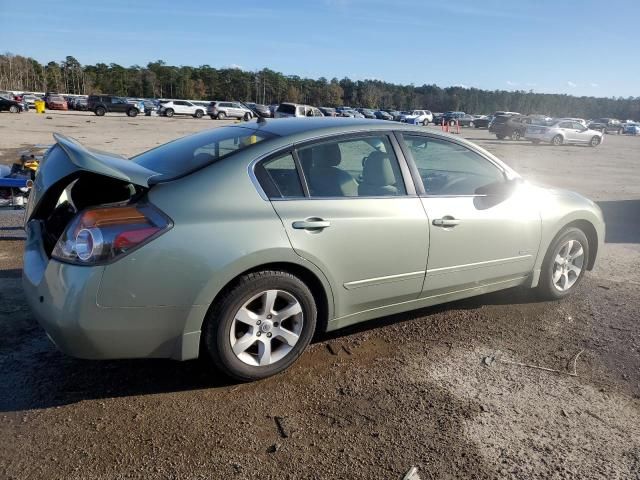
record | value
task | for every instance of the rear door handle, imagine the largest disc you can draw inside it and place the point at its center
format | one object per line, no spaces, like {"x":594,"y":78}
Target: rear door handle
{"x":313,"y":223}
{"x":445,"y":222}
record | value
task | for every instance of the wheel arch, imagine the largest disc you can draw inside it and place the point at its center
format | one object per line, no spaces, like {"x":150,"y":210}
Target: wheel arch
{"x":320,"y":290}
{"x":592,"y":237}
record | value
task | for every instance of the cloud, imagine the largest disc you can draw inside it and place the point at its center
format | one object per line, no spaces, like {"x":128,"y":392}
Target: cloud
{"x":595,"y":85}
{"x":512,"y":84}
{"x":531,"y":84}
{"x":571,"y":84}
{"x":460,"y":85}
{"x":236,"y":66}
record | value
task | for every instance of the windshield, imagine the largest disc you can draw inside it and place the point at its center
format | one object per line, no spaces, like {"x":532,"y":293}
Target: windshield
{"x":191,"y":153}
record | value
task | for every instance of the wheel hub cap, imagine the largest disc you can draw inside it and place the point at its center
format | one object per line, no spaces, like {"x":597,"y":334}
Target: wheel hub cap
{"x":266,"y":328}
{"x":568,"y":265}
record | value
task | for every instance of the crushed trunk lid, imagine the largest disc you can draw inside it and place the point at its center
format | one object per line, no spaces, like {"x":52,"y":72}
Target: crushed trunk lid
{"x":68,"y":158}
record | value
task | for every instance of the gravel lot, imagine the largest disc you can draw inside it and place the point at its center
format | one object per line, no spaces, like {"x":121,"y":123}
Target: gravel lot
{"x":436,"y":388}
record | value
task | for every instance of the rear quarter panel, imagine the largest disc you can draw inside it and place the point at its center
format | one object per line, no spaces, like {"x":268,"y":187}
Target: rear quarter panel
{"x":222,"y":227}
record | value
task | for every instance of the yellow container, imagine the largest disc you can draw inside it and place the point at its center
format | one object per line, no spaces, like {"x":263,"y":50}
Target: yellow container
{"x":39,"y":106}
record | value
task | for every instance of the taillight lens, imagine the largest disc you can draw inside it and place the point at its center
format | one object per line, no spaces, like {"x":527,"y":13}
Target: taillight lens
{"x":101,"y":235}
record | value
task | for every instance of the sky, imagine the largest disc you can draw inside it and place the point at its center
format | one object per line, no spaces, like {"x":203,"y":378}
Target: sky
{"x":579,"y":47}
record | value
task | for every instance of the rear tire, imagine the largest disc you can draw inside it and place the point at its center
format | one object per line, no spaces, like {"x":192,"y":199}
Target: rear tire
{"x":557,"y":141}
{"x":500,"y":137}
{"x":247,"y":117}
{"x":536,"y":142}
{"x":213,"y":117}
{"x":515,"y":136}
{"x":221,"y":116}
{"x":237,"y":346}
{"x":100,"y":111}
{"x":169,"y":112}
{"x":471,"y":125}
{"x":552,"y":275}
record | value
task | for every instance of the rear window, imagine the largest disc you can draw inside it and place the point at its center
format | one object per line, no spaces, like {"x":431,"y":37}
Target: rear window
{"x":191,"y":153}
{"x":287,"y":108}
{"x":501,"y":119}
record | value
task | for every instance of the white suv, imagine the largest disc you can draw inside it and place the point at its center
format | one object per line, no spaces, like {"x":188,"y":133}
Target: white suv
{"x":224,"y":110}
{"x":181,"y":107}
{"x":418,"y":117}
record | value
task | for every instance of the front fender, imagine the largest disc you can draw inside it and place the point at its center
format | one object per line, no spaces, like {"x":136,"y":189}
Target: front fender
{"x":559,"y":208}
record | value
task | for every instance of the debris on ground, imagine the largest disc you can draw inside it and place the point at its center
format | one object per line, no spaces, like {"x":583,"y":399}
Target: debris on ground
{"x":412,"y":474}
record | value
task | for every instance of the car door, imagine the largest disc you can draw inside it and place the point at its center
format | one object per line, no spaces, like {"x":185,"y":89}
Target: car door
{"x":580,"y":133}
{"x":352,"y":214}
{"x":483,"y":228}
{"x":568,"y":131}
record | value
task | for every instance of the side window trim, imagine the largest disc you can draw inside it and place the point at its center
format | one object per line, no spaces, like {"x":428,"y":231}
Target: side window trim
{"x":414,"y":168}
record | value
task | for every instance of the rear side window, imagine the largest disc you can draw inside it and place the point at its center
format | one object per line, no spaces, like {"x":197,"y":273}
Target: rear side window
{"x":352,"y":167}
{"x":448,"y":168}
{"x":284,"y":175}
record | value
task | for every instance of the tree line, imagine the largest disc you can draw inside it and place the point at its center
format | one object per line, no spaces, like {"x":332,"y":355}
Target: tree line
{"x":159,"y":80}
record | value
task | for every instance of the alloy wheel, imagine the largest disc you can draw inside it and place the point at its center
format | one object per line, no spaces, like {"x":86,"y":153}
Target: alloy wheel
{"x":266,"y":328}
{"x":568,"y":265}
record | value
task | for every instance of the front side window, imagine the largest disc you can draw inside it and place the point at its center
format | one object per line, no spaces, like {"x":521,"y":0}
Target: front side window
{"x":353,"y":167}
{"x":448,"y":168}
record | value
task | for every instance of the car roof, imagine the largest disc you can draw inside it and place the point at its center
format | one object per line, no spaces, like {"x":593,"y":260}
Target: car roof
{"x":310,"y":127}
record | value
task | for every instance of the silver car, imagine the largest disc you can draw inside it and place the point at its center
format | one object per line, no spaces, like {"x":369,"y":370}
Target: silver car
{"x":241,"y":242}
{"x":223,"y":110}
{"x":561,"y":132}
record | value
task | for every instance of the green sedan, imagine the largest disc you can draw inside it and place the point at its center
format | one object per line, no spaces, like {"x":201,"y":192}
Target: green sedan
{"x":239,"y":243}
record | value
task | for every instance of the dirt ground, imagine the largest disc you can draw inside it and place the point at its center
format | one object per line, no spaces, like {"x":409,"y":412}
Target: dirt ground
{"x":451,"y":390}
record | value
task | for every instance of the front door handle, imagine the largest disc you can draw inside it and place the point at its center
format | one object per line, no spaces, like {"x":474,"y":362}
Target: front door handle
{"x":312,"y":224}
{"x":447,"y":221}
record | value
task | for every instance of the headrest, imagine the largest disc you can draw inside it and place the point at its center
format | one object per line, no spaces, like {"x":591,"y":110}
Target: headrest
{"x":378,"y":170}
{"x":326,"y":155}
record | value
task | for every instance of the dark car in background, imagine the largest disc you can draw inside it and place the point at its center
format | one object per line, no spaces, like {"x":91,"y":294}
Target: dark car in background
{"x":382,"y":115}
{"x":101,"y":104}
{"x":483,"y":121}
{"x":514,"y":126}
{"x":437,"y":118}
{"x":367,"y":112}
{"x":10,"y":105}
{"x":328,"y":111}
{"x":259,"y":109}
{"x":451,"y":118}
{"x":607,"y":125}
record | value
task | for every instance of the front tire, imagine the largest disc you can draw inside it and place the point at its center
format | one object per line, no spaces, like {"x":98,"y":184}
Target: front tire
{"x":132,"y":112}
{"x":595,"y":141}
{"x":14,"y":109}
{"x":515,"y":136}
{"x":564,"y":264}
{"x":199,"y":114}
{"x":100,"y":111}
{"x":500,"y":137}
{"x":260,"y":326}
{"x":471,"y":124}
{"x":247,"y":117}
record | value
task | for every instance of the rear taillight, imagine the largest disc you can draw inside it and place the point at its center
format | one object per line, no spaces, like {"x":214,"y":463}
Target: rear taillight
{"x":101,"y":235}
